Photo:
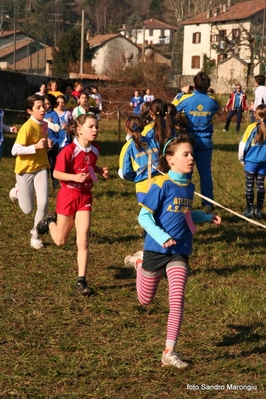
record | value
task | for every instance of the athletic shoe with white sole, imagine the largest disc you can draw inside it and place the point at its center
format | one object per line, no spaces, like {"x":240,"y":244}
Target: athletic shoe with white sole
{"x":132,"y":261}
{"x":36,"y":243}
{"x":13,"y":193}
{"x":173,"y":359}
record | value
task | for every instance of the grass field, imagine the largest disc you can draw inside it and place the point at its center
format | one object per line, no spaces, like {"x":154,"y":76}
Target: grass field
{"x":57,"y":345}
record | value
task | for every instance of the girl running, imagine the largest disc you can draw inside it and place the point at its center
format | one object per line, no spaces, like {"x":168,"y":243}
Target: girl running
{"x":75,"y":169}
{"x":168,"y":220}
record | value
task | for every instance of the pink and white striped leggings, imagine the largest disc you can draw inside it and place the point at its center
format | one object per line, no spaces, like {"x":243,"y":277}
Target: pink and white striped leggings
{"x":147,"y":285}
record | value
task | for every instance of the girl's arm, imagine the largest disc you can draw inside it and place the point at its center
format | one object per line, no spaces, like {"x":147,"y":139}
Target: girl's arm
{"x":53,"y":126}
{"x":63,"y":176}
{"x":146,"y":220}
{"x":201,"y":217}
{"x":104,"y":172}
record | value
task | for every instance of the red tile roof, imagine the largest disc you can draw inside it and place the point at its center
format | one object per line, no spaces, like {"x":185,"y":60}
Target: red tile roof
{"x":99,"y":40}
{"x":155,"y":24}
{"x":239,"y":11}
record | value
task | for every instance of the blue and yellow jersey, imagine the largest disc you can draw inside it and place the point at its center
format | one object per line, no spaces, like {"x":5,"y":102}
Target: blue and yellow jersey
{"x":133,"y":162}
{"x":148,"y":130}
{"x":199,"y":109}
{"x":169,"y":201}
{"x":249,"y":150}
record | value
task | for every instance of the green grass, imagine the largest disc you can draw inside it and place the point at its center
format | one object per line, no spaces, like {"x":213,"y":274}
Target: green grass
{"x":55,"y":344}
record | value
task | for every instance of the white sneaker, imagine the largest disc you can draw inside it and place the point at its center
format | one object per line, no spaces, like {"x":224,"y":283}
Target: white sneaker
{"x":36,"y":243}
{"x":172,"y":359}
{"x":13,"y":193}
{"x":133,"y":260}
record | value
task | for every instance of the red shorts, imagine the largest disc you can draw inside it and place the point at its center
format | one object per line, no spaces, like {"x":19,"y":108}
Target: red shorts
{"x":70,"y":201}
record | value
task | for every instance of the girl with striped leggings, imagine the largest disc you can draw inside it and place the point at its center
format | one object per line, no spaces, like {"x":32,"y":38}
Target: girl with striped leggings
{"x":167,"y":217}
{"x":252,"y":155}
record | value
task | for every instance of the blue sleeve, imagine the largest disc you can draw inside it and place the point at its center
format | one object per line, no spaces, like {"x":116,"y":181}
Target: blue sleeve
{"x":201,"y":217}
{"x":125,"y":164}
{"x":146,"y":220}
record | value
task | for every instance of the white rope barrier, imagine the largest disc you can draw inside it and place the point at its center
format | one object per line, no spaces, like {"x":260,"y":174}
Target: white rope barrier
{"x":223,"y":207}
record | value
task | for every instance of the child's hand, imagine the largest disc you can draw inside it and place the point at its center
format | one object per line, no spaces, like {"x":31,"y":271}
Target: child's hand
{"x":81,"y":177}
{"x":104,"y":173}
{"x":169,"y":243}
{"x":41,"y":144}
{"x":49,"y":143}
{"x":216,"y":220}
{"x":14,"y":129}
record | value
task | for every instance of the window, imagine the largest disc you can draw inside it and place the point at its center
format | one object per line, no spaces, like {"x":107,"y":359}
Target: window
{"x":236,"y":35}
{"x":220,"y":58}
{"x":214,"y":38}
{"x":222,"y":34}
{"x":195,"y":61}
{"x":196,"y":37}
{"x":150,"y":32}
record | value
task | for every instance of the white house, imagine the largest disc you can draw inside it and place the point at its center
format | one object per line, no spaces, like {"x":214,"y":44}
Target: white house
{"x":220,"y":33}
{"x":112,"y":52}
{"x":155,"y":32}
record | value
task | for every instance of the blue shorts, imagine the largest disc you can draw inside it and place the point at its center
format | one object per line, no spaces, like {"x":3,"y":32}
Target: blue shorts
{"x":258,"y":169}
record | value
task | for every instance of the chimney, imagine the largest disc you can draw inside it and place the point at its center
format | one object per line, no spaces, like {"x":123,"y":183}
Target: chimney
{"x":228,"y":3}
{"x":224,"y":7}
{"x":208,"y":13}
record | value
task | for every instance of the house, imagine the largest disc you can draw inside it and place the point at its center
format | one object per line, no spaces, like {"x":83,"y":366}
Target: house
{"x":230,"y":71}
{"x":155,"y":32}
{"x":222,"y":32}
{"x":24,"y":54}
{"x":112,"y":52}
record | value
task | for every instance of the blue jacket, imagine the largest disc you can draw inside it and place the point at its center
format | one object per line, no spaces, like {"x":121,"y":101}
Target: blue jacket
{"x":249,"y":150}
{"x":199,"y":109}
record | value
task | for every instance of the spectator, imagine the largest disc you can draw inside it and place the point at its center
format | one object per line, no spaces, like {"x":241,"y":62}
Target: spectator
{"x":236,"y":104}
{"x":260,"y":92}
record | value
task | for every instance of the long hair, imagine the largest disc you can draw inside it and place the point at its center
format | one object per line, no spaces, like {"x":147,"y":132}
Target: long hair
{"x":135,"y":125}
{"x":158,"y":109}
{"x":260,"y":113}
{"x":170,"y":147}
